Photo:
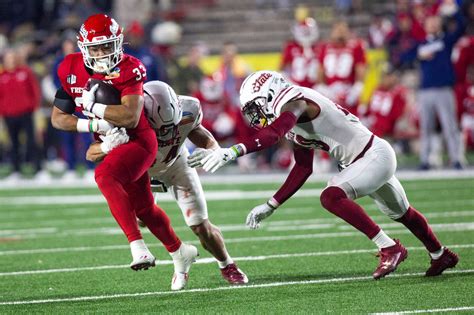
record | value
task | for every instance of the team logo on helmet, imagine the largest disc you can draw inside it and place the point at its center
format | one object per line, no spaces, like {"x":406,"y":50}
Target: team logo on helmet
{"x":257,"y":85}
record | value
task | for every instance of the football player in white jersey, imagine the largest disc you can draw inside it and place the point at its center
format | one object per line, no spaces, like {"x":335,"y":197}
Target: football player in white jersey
{"x":368,"y":164}
{"x":174,"y":120}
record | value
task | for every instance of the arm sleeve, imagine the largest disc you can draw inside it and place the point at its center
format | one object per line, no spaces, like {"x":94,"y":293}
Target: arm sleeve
{"x":64,"y":101}
{"x":271,"y":134}
{"x":300,"y":172}
{"x":452,"y":37}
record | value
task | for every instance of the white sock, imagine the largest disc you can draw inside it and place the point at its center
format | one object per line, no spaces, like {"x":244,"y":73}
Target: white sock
{"x":138,"y":247}
{"x":176,"y":253}
{"x":437,"y":254}
{"x":382,"y":240}
{"x":225,"y":263}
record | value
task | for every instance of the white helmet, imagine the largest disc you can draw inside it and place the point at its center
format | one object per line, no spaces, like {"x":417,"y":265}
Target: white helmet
{"x":306,"y":32}
{"x":162,"y":108}
{"x":257,"y":96}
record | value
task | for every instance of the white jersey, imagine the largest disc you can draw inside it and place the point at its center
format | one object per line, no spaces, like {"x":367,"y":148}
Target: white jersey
{"x":169,"y":150}
{"x":335,"y":130}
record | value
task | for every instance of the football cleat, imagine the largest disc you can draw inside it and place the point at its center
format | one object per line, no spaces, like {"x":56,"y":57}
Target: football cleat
{"x":182,"y":260}
{"x":390,"y":258}
{"x":144,"y":261}
{"x":447,"y":260}
{"x":232,"y":274}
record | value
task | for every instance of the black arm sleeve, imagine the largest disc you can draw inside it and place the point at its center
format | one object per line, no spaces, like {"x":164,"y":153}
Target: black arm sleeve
{"x":64,"y":101}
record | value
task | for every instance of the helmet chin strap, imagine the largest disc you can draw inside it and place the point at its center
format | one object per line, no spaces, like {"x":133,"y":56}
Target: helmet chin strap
{"x":101,"y":66}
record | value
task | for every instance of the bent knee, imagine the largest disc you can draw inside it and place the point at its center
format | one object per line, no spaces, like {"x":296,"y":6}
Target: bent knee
{"x":203,"y":228}
{"x":331,"y":195}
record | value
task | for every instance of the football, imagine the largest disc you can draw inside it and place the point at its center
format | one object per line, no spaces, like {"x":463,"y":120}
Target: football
{"x":106,"y":93}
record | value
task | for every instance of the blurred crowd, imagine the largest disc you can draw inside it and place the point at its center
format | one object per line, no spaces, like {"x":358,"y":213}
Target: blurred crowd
{"x":421,"y":99}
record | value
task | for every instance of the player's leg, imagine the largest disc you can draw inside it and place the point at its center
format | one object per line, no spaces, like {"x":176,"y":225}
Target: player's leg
{"x":391,"y":200}
{"x":187,"y":190}
{"x":446,"y":109}
{"x":159,"y":224}
{"x":360,"y":179}
{"x":122,"y":166}
{"x":427,"y":126}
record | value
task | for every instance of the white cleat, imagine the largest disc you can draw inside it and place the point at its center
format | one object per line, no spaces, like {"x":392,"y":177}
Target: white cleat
{"x":144,"y":261}
{"x":182,"y":259}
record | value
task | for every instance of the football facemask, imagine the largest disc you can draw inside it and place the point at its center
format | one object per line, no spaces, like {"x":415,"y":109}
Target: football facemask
{"x":256,"y":117}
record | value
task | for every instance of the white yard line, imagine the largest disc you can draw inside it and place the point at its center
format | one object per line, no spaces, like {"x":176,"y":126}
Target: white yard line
{"x":52,"y":232}
{"x":227,"y":288}
{"x":433,"y":310}
{"x":212,"y":260}
{"x":93,"y":199}
{"x":451,"y":228}
{"x":237,"y":178}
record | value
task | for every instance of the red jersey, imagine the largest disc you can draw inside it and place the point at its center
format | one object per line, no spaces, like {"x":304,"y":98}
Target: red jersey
{"x":127,"y":77}
{"x":19,"y":92}
{"x":462,"y":57}
{"x":339,"y":62}
{"x":301,"y":64}
{"x":385,"y":108}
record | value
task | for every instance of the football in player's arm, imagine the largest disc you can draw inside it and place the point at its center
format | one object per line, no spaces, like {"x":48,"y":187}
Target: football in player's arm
{"x":122,"y":176}
{"x":368,"y":163}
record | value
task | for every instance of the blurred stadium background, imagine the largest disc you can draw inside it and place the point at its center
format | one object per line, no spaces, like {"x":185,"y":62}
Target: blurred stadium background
{"x":205,"y":48}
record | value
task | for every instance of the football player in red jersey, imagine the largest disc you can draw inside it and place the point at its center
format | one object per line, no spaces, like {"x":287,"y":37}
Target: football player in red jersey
{"x":300,"y":58}
{"x":386,"y":105}
{"x":343,"y":67}
{"x":122,"y":176}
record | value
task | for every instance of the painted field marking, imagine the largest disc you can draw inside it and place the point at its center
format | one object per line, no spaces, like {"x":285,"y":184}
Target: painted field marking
{"x":227,"y":288}
{"x":212,"y":260}
{"x":433,"y":310}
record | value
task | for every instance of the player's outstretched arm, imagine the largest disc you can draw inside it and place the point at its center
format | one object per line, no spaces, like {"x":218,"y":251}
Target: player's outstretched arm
{"x":300,"y":172}
{"x":205,"y":142}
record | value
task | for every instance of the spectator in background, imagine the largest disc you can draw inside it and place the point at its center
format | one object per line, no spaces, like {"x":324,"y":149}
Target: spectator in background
{"x":379,"y":30}
{"x":135,"y":38}
{"x":190,"y":74}
{"x":233,"y":70}
{"x":400,"y":41}
{"x":300,"y":57}
{"x":387,"y":104}
{"x":436,"y":98}
{"x":19,"y":98}
{"x":74,"y":145}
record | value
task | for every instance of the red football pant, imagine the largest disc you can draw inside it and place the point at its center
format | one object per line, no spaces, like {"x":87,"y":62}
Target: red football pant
{"x":335,"y":200}
{"x":123,"y":180}
{"x":418,"y":225}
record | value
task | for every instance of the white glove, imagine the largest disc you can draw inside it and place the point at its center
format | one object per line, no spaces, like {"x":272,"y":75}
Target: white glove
{"x":195,"y":159}
{"x":258,"y":214}
{"x":113,"y":139}
{"x":88,"y":97}
{"x":218,"y":158}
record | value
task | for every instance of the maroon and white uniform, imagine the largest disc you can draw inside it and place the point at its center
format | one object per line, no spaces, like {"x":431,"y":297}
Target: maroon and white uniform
{"x":385,"y":108}
{"x":368,"y":162}
{"x":301,"y":64}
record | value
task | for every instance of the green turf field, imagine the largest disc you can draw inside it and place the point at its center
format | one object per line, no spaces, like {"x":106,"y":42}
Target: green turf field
{"x":61,"y":254}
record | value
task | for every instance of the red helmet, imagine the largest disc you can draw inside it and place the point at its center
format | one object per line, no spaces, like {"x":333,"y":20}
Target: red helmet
{"x":306,"y":32}
{"x":101,"y":30}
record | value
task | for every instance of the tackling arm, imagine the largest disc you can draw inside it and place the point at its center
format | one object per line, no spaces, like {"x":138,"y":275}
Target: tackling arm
{"x":202,"y":138}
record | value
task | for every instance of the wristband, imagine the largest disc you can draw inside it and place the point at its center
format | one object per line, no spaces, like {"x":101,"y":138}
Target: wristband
{"x":82,"y":125}
{"x":272,"y":203}
{"x":239,"y":149}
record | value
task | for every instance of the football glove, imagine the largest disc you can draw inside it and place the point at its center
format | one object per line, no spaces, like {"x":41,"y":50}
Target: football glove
{"x":258,"y":214}
{"x":113,"y":138}
{"x":88,"y":97}
{"x":195,"y":159}
{"x":218,"y":158}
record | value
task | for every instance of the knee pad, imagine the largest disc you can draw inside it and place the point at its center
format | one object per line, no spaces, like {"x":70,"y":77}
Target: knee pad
{"x":330,"y":196}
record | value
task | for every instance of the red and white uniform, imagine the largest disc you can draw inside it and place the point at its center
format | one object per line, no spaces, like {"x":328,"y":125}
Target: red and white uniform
{"x":368,"y":162}
{"x":339,"y":67}
{"x":385,"y":108}
{"x":127,"y":77}
{"x":301,"y":63}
